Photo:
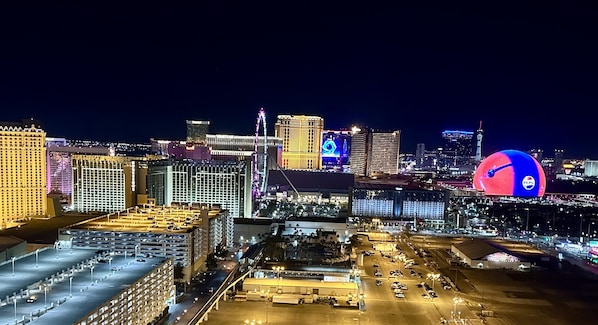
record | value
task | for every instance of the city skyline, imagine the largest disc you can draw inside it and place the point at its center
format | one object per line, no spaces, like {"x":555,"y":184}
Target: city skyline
{"x":128,"y":75}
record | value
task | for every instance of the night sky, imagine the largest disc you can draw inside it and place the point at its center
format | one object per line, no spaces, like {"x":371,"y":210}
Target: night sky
{"x":133,"y":72}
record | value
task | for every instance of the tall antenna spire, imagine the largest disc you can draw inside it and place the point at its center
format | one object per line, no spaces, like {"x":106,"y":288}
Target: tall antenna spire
{"x":478,"y":149}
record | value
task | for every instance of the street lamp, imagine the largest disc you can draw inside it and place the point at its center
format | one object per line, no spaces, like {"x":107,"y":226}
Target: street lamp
{"x":36,"y":252}
{"x":278,"y":269}
{"x":91,"y":271}
{"x":527,"y":220}
{"x":433,"y":277}
{"x":70,"y":286}
{"x":13,"y":265}
{"x":136,"y":250}
{"x":45,"y":295}
{"x":456,"y":301}
{"x":267,"y":299}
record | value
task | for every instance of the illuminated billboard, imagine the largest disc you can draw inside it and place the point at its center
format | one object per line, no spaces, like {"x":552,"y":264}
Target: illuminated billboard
{"x":510,"y":173}
{"x":336,"y":146}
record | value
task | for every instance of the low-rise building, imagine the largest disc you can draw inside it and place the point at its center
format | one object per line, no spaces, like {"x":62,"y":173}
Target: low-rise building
{"x":480,"y":254}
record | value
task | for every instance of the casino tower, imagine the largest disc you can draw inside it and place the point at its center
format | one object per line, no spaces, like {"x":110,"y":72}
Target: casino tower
{"x":478,"y":147}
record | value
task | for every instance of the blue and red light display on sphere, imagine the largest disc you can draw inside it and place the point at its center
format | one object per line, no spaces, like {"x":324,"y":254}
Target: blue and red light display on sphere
{"x":510,"y":173}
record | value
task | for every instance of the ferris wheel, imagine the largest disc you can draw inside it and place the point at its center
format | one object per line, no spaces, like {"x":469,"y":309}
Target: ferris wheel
{"x":260,"y":158}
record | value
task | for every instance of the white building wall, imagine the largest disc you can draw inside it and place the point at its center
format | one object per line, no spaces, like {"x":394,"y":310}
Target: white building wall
{"x":591,"y":168}
{"x":140,"y":303}
{"x":99,"y":183}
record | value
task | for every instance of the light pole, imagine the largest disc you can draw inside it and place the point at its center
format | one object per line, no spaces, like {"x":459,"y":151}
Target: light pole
{"x":456,"y":301}
{"x":267,"y":308}
{"x":527,"y":220}
{"x":36,"y":253}
{"x":433,"y":276}
{"x":580,"y":227}
{"x":13,"y":265}
{"x":45,"y":296}
{"x":278,"y":269}
{"x":136,"y":250}
{"x":70,"y":286}
{"x":91,"y":271}
{"x":15,"y":300}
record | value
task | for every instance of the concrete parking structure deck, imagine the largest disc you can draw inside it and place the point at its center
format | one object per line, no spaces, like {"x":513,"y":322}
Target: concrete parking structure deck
{"x":68,"y":283}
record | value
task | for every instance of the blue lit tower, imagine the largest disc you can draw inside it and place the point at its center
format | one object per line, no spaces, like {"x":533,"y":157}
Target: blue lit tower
{"x":478,"y":147}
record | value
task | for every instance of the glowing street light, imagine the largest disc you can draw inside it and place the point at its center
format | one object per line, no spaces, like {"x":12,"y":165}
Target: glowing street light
{"x":70,"y":286}
{"x":36,"y":253}
{"x":91,"y":271}
{"x":456,"y":301}
{"x":278,"y":269}
{"x":13,"y":265}
{"x":433,"y":277}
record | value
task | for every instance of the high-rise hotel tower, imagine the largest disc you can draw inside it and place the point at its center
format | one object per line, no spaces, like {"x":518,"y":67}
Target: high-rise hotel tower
{"x":301,"y":140}
{"x":103,"y":183}
{"x":22,"y":171}
{"x":211,"y":182}
{"x":374,"y":152}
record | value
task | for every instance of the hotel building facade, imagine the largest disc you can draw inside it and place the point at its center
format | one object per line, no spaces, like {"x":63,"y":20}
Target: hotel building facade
{"x":58,"y":164}
{"x":102,"y":183}
{"x":301,"y":141}
{"x":374,"y":152}
{"x":225,"y":183}
{"x":23,"y":190}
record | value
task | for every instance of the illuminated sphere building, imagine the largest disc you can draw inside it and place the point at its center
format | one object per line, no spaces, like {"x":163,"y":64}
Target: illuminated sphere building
{"x":510,"y":173}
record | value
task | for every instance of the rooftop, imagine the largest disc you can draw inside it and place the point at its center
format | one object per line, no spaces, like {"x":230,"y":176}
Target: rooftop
{"x":170,"y":219}
{"x":90,"y":287}
{"x":7,"y":242}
